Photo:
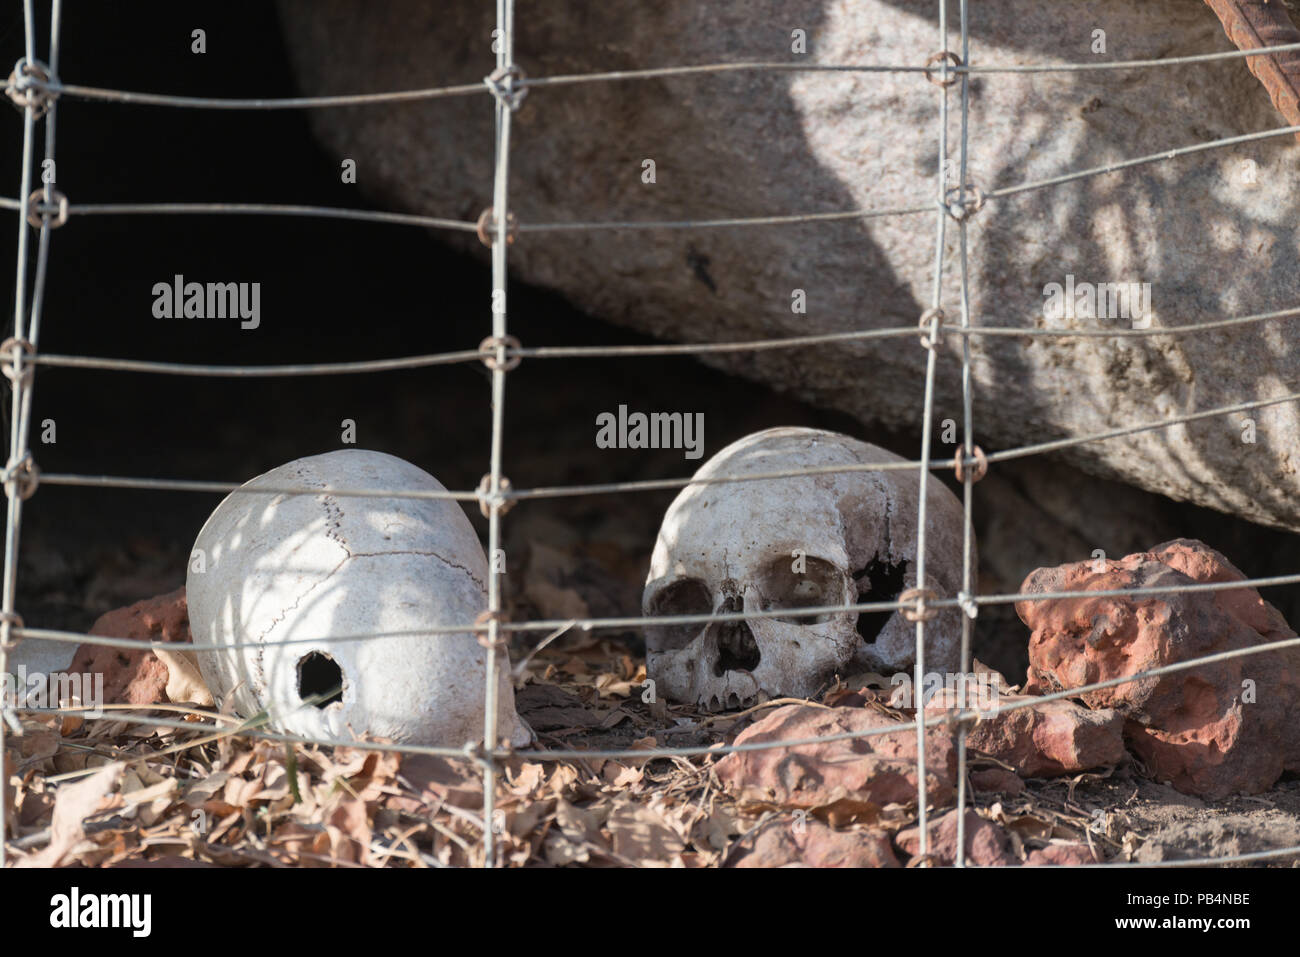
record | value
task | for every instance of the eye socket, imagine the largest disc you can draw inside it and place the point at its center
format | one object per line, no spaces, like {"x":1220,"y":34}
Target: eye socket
{"x":878,"y":581}
{"x":685,"y":596}
{"x":819,"y":583}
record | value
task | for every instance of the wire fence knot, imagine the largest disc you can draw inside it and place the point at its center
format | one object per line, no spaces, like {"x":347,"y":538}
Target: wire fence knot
{"x":21,"y":477}
{"x":944,"y":78}
{"x":496,"y":352}
{"x":19,"y":368}
{"x":506,"y":83}
{"x":981,"y":462}
{"x":39,"y":211}
{"x":921,"y":612}
{"x":968,"y":604}
{"x":931,"y":326}
{"x":963,"y":202}
{"x":487,"y":231}
{"x":28,"y":87}
{"x":488,"y":499}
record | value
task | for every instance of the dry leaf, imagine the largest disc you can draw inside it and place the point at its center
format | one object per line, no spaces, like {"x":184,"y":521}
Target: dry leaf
{"x":184,"y":682}
{"x":72,"y":805}
{"x":639,"y":834}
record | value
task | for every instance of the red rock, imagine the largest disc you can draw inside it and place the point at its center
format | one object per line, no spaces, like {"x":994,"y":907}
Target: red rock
{"x":1222,"y":728}
{"x":996,"y":781}
{"x":135,"y":676}
{"x":1050,"y":738}
{"x":1042,"y":739}
{"x":780,"y":843}
{"x":1061,"y":855}
{"x":851,"y":779}
{"x":987,"y":844}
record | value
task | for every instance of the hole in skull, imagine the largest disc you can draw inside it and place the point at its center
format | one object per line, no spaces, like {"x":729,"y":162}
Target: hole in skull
{"x":685,"y":596}
{"x":737,"y":650}
{"x":879,"y":581}
{"x":319,"y":678}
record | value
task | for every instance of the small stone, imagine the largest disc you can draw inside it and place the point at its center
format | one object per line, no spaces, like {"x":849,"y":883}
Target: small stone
{"x":996,"y":781}
{"x":987,"y":844}
{"x":1061,"y":855}
{"x":784,"y":843}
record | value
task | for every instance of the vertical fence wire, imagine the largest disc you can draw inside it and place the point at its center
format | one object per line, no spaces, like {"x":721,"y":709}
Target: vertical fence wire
{"x":967,"y":452}
{"x":43,"y":243}
{"x":500,"y":241}
{"x":23,"y":375}
{"x":931,"y":342}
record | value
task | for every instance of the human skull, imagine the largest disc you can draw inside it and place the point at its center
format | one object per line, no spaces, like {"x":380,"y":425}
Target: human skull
{"x":274,"y":578}
{"x":790,"y":543}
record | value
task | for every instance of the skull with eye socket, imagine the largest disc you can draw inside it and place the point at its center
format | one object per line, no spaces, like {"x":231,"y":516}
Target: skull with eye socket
{"x":795,"y":543}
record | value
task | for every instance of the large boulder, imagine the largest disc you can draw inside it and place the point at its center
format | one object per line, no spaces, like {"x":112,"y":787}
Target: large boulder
{"x":1212,"y":232}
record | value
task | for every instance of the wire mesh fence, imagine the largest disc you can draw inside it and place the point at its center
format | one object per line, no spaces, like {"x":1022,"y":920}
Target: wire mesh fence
{"x":35,"y":88}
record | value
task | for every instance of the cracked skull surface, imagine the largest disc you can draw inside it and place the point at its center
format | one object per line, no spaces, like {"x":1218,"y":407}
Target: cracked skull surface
{"x":795,"y":543}
{"x":277,"y":579}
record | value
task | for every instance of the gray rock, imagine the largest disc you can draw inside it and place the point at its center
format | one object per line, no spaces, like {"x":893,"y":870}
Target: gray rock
{"x":1213,"y":232}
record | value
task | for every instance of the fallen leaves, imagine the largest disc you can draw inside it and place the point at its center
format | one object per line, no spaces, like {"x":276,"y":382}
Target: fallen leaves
{"x":644,"y":835}
{"x":118,"y":792}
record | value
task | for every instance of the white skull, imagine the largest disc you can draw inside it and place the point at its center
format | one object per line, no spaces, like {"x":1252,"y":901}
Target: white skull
{"x":731,"y":547}
{"x":271,"y":570}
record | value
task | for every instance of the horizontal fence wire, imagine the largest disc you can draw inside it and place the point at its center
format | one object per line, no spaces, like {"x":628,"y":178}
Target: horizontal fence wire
{"x":947,"y":717}
{"x":465,"y":226}
{"x":266,"y":209}
{"x":964,"y":602}
{"x":692,"y":350}
{"x":484,"y":752}
{"x":646,"y":485}
{"x":467,"y":89}
{"x":74,"y":209}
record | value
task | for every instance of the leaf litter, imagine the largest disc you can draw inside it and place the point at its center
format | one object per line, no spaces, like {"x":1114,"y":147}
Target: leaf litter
{"x":119,"y":790}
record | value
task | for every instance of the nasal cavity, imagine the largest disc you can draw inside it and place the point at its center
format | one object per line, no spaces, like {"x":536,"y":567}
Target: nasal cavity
{"x":320,"y":679}
{"x":879,"y":581}
{"x":737,"y":650}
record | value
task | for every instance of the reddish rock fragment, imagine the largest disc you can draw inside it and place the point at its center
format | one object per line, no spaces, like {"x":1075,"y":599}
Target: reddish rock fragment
{"x":135,"y":676}
{"x":996,"y":781}
{"x":1050,"y":738}
{"x":783,"y":843}
{"x":987,"y":844}
{"x":1061,"y":855}
{"x":1039,"y":739}
{"x":850,"y":779}
{"x":1217,"y":729}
